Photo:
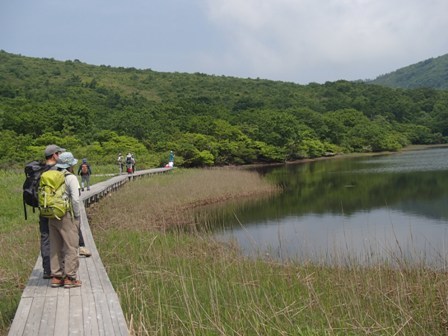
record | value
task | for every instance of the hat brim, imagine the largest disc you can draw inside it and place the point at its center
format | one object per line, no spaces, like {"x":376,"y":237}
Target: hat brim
{"x":66,"y":165}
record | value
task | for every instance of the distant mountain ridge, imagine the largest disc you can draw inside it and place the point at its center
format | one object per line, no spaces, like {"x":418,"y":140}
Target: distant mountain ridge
{"x":430,"y":73}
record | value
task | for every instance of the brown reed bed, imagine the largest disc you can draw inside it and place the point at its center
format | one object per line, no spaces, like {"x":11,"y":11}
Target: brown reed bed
{"x":169,"y":200}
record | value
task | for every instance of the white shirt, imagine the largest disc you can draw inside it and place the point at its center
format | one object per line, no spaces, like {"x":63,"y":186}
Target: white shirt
{"x":72,"y":191}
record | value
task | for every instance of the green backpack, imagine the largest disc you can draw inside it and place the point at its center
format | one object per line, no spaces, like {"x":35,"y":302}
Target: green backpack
{"x":53,"y":203}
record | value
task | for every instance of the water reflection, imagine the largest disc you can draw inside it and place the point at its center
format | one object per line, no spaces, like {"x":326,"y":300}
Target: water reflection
{"x":366,"y":209}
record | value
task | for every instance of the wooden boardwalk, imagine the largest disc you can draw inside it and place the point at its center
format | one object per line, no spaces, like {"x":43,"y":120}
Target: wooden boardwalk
{"x":92,"y":309}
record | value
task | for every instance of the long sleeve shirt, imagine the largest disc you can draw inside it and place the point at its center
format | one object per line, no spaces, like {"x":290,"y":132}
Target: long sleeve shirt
{"x":72,"y":192}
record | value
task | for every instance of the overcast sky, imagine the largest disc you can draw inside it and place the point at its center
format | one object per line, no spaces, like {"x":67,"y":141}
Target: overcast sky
{"x":300,"y":41}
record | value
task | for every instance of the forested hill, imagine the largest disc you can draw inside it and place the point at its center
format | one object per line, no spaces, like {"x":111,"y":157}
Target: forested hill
{"x":431,"y":73}
{"x":98,"y":111}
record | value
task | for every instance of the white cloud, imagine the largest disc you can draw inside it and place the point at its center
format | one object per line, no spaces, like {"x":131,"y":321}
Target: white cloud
{"x":296,"y":38}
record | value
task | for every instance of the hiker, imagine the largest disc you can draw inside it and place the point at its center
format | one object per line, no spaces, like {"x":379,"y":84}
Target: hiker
{"x":64,"y":232}
{"x":120,"y":162}
{"x":133,"y":162}
{"x":130,"y":163}
{"x":85,"y":172}
{"x":171,"y":160}
{"x":52,"y":153}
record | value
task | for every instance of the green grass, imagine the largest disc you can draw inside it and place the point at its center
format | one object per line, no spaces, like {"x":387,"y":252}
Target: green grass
{"x":19,"y":240}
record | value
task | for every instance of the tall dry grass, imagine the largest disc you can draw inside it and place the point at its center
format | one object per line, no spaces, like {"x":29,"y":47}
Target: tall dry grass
{"x":169,"y":200}
{"x":175,"y":283}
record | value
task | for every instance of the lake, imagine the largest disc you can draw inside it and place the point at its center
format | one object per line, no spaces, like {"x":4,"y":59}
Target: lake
{"x":385,"y":208}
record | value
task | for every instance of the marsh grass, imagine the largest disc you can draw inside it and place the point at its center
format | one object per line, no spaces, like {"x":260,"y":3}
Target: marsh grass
{"x":172,"y":282}
{"x":19,"y":245}
{"x":170,"y":200}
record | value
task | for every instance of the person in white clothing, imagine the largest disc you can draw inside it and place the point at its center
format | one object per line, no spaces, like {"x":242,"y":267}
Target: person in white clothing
{"x":120,"y":162}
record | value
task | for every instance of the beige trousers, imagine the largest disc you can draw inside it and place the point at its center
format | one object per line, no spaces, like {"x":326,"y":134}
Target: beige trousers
{"x":64,"y":243}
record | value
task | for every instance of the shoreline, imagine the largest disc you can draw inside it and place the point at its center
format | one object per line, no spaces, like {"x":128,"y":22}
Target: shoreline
{"x":409,"y":148}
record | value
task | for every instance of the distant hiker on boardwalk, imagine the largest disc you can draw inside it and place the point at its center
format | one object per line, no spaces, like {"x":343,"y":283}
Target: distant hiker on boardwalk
{"x":130,"y":161}
{"x":171,"y":159}
{"x":85,"y":172}
{"x":133,"y":163}
{"x":64,"y":231}
{"x":120,"y":162}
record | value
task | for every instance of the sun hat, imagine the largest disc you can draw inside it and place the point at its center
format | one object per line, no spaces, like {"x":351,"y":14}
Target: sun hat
{"x":66,"y":160}
{"x":51,"y":149}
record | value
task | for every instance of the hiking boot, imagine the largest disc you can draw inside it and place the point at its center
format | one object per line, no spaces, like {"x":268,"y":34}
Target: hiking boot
{"x":57,"y":282}
{"x":47,"y":276}
{"x":84,"y":252}
{"x":71,"y":283}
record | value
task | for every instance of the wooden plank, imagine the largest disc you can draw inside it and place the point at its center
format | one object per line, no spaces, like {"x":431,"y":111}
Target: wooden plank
{"x":75,"y":324}
{"x":18,"y":324}
{"x":102,"y":309}
{"x":51,"y":292}
{"x":103,"y":277}
{"x":34,"y":317}
{"x":95,"y":283}
{"x":90,"y":321}
{"x":35,"y":276}
{"x":62,"y":312}
{"x":42,"y":286}
{"x":48,"y":319}
{"x":116,"y":314}
{"x":82,"y":271}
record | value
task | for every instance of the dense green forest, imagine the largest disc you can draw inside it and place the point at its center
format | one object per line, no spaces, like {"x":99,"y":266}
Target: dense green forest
{"x":98,"y":111}
{"x":430,"y":73}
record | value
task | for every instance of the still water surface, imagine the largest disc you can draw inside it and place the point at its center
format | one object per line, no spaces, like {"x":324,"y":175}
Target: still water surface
{"x":364,"y":209}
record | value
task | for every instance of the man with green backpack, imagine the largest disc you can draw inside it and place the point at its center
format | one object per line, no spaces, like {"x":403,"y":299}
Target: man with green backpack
{"x":33,"y":172}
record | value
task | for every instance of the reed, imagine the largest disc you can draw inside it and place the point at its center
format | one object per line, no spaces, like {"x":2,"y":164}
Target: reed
{"x":170,"y":200}
{"x":173,"y":282}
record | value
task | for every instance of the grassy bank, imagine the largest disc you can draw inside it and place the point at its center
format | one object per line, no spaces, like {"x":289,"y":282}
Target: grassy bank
{"x":176,"y":283}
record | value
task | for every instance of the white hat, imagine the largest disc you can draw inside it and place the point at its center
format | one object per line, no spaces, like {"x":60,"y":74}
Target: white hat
{"x":66,"y":160}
